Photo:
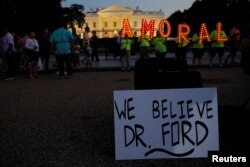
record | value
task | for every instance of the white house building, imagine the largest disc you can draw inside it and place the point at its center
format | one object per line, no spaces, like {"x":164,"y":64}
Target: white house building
{"x":107,"y":22}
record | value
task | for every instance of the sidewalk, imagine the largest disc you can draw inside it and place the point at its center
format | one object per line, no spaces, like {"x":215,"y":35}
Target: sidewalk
{"x":111,"y":63}
{"x":49,"y":122}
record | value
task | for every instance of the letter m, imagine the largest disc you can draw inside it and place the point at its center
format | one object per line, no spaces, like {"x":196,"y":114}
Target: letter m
{"x":145,"y":27}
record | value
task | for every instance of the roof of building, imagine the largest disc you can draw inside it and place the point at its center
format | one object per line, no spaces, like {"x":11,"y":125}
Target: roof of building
{"x":114,"y":8}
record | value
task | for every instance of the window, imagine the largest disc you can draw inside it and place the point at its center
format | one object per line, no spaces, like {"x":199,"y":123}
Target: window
{"x":115,"y":24}
{"x":94,"y":24}
{"x":105,"y":24}
{"x":135,"y":23}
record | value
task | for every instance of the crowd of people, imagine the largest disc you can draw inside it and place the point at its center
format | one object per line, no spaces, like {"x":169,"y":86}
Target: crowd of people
{"x":32,"y":53}
{"x":24,"y":51}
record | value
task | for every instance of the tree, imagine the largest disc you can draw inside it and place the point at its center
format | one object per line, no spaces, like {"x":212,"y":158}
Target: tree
{"x":229,"y":12}
{"x":175,"y":19}
{"x":25,"y":15}
{"x":74,"y":13}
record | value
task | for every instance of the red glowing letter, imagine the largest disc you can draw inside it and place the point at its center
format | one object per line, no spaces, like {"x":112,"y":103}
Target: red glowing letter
{"x":126,"y":29}
{"x":204,"y":35}
{"x":183,"y":32}
{"x":161,"y":28}
{"x":145,"y":27}
{"x":219,"y":35}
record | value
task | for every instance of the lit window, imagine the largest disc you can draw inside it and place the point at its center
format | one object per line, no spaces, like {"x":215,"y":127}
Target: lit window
{"x":105,"y":24}
{"x":94,"y":25}
{"x":135,"y":23}
{"x":115,"y":24}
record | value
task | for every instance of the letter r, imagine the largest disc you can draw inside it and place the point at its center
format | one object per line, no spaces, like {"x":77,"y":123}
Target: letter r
{"x":215,"y":158}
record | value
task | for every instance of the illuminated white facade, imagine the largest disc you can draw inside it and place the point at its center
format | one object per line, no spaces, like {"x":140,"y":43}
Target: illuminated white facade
{"x":107,"y":22}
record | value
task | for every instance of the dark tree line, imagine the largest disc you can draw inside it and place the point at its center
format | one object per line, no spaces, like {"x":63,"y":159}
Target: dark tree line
{"x":22,"y":16}
{"x":74,"y":13}
{"x":25,"y":15}
{"x":229,"y":12}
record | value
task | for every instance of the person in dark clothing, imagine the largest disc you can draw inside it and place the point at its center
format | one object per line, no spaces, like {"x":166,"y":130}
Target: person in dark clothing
{"x":181,"y":50}
{"x":45,"y":48}
{"x":234,"y":39}
{"x":245,"y":50}
{"x":118,"y":39}
{"x":94,"y":46}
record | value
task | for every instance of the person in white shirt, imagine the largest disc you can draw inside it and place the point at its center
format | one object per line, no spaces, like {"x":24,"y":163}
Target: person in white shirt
{"x":8,"y":50}
{"x":32,"y":49}
{"x":86,"y":37}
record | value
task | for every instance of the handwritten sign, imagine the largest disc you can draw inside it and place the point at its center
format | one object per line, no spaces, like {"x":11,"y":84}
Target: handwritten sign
{"x":174,"y":123}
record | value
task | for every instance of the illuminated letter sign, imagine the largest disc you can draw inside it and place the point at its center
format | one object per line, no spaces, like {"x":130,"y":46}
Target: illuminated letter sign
{"x":220,"y":38}
{"x":204,"y":35}
{"x":147,"y":27}
{"x":183,"y":32}
{"x":161,"y":28}
{"x":126,"y":29}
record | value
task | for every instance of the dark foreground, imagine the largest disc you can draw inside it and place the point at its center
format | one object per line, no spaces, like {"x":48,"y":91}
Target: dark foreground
{"x":50,"y":122}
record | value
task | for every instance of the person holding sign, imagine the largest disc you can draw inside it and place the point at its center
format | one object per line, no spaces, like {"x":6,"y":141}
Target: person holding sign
{"x":144,"y":46}
{"x":181,"y":50}
{"x":218,"y":38}
{"x":197,"y":48}
{"x":126,"y":43}
{"x":160,"y":45}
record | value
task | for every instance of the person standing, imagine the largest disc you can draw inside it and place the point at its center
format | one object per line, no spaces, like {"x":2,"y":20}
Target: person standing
{"x":24,"y":57}
{"x":198,"y":49}
{"x":45,"y":48}
{"x":216,"y":47}
{"x":94,"y":46}
{"x":86,"y":37}
{"x":32,"y":49}
{"x":62,"y":41}
{"x":76,"y":54}
{"x":118,"y":44}
{"x":86,"y":43}
{"x":8,"y":50}
{"x":126,"y":43}
{"x":181,"y":50}
{"x":160,"y":45}
{"x":144,"y":46}
{"x":245,"y":49}
{"x":234,"y":39}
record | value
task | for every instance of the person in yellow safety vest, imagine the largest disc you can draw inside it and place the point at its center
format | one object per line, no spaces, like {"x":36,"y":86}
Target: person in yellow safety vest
{"x":216,"y":47}
{"x":126,"y":43}
{"x":160,"y":46}
{"x":144,"y":46}
{"x":181,"y":50}
{"x":198,"y":49}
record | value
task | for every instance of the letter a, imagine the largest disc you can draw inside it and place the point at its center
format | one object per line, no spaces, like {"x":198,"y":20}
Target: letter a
{"x":126,"y":29}
{"x":204,"y":35}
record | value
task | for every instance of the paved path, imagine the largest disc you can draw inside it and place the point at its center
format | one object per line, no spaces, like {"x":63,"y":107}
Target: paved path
{"x":111,"y":63}
{"x":48,"y":122}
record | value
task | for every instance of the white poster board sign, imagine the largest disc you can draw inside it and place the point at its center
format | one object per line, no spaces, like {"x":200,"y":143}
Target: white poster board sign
{"x":174,"y":123}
